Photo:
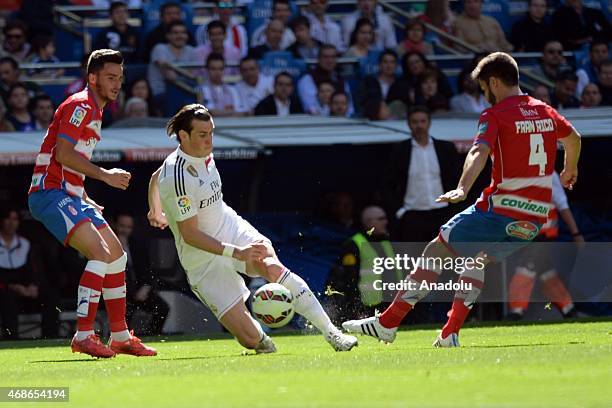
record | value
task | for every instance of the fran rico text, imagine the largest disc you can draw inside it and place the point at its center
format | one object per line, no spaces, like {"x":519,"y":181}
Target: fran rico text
{"x":409,"y":263}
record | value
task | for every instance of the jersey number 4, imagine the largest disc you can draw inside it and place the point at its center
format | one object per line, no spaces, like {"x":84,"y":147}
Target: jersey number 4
{"x":537,"y":154}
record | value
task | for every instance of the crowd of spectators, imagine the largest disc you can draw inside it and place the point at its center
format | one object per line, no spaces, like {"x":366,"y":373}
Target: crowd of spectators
{"x":405,"y":74}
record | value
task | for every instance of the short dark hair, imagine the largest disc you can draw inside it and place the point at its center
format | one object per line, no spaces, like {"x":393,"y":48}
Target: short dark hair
{"x":324,"y":47}
{"x":6,"y":209}
{"x":183,"y":118}
{"x":248,"y":58}
{"x":40,"y":98}
{"x":531,"y":1}
{"x":9,"y":60}
{"x":597,"y":42}
{"x":337,"y":93}
{"x":387,"y":51}
{"x":567,"y":75}
{"x":15,"y":86}
{"x":214,"y":56}
{"x":173,"y":24}
{"x":168,"y":5}
{"x":115,"y":5}
{"x":282,"y":74}
{"x":41,"y":41}
{"x":499,"y":65}
{"x":418,"y":109}
{"x":299,"y":21}
{"x":215,"y":24}
{"x":276,"y":2}
{"x":606,"y":63}
{"x":413,"y":23}
{"x":13,"y":24}
{"x":98,"y":58}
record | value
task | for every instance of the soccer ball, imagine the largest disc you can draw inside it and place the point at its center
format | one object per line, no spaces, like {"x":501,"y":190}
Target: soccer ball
{"x":272,"y":305}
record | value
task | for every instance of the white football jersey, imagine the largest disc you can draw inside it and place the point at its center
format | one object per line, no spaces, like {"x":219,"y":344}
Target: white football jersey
{"x":191,"y":186}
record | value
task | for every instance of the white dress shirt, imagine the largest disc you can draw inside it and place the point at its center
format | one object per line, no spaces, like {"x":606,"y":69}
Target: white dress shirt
{"x":252,"y":95}
{"x":327,"y":31}
{"x":424,"y":181}
{"x":282,"y":108}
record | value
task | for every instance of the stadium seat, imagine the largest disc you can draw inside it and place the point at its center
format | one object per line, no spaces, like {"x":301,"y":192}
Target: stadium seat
{"x":275,"y":62}
{"x":150,"y":15}
{"x":499,"y":10}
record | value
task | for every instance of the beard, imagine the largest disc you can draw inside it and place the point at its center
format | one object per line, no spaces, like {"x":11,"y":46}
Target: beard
{"x":106,"y":96}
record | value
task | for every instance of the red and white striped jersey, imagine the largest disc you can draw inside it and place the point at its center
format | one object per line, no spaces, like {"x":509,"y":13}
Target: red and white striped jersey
{"x":522,"y":133}
{"x":77,"y":120}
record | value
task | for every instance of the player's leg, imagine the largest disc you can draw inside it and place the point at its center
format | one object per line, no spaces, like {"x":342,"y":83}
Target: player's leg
{"x":384,"y":327}
{"x":304,"y":301}
{"x":238,"y":321}
{"x":113,"y":287}
{"x":223,"y":291}
{"x":114,"y":294}
{"x":63,"y":216}
{"x":86,"y":239}
{"x":495,"y":234}
{"x":472,"y":280}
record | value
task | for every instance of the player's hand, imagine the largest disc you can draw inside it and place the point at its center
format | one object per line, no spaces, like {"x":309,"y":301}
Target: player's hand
{"x":117,"y":178}
{"x":251,"y":253}
{"x":95,"y":205}
{"x":568,"y":178}
{"x":157,"y":219}
{"x":453,"y":196}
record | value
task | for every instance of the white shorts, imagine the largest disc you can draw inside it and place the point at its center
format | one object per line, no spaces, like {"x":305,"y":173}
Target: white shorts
{"x":217,"y":283}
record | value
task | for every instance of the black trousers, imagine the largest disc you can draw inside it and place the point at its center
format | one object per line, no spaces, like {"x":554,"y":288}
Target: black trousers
{"x":155,"y":307}
{"x":421,"y":226}
{"x":12,"y":304}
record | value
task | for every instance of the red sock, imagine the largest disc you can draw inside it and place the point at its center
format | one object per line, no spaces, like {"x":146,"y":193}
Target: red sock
{"x":90,"y":286}
{"x":456,"y":317}
{"x":395,"y":313}
{"x":114,"y":300}
{"x":459,"y":311}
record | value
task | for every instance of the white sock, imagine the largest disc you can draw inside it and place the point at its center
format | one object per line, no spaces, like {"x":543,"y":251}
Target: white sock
{"x":305,"y":302}
{"x":122,"y":335}
{"x":83,"y":334}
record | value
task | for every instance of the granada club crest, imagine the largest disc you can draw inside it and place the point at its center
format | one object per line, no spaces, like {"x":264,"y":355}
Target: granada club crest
{"x":524,"y":230}
{"x":72,"y":210}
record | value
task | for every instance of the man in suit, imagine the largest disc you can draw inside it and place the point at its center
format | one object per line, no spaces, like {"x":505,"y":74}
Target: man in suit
{"x":420,"y":169}
{"x":283,"y":101}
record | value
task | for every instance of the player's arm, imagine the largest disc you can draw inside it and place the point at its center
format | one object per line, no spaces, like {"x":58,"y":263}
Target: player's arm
{"x":67,"y":156}
{"x":156,"y":215}
{"x":571,"y":144}
{"x":474,"y":163}
{"x":193,"y":236}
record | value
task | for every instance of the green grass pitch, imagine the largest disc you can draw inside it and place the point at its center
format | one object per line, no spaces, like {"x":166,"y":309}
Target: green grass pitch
{"x":545,"y":365}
